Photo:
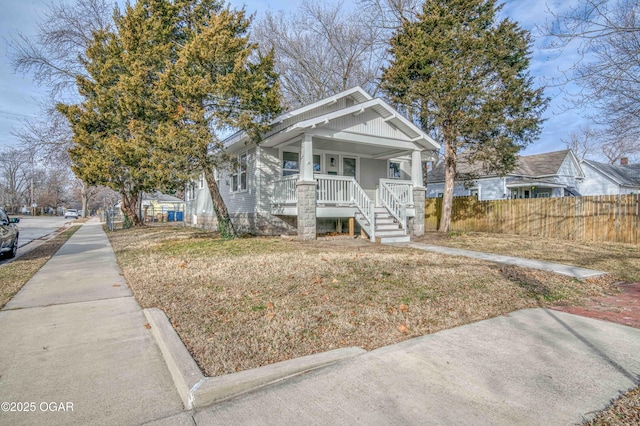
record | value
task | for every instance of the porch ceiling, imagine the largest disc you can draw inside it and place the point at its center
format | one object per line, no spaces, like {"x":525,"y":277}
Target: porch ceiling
{"x":349,"y":147}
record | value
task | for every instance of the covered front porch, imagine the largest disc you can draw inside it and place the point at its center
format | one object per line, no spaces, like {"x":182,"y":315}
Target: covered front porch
{"x":378,"y":186}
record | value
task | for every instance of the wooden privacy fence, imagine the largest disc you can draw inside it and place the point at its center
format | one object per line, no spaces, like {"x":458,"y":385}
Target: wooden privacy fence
{"x":613,"y":218}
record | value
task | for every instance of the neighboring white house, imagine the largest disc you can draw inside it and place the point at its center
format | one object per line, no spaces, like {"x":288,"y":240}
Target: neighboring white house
{"x":345,"y":160}
{"x":552,"y":174}
{"x":610,"y":179}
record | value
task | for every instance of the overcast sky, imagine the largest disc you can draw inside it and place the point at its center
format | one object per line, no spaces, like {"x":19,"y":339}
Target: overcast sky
{"x":19,"y":97}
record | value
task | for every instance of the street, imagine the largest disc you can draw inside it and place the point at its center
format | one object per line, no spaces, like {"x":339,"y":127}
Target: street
{"x":33,"y":228}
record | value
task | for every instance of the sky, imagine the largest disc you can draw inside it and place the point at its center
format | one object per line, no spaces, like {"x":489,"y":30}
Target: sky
{"x":20,"y":97}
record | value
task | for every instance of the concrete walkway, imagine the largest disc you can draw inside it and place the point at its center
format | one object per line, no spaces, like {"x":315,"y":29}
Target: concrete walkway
{"x":572,"y":271}
{"x":75,"y":336}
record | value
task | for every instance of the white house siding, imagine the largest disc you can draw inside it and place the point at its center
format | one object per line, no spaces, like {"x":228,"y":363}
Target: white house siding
{"x":369,"y":122}
{"x":316,"y":112}
{"x":269,"y":172}
{"x":567,"y":173}
{"x":595,"y":183}
{"x":491,"y":189}
{"x":245,"y":201}
{"x":371,"y":171}
{"x":433,"y":189}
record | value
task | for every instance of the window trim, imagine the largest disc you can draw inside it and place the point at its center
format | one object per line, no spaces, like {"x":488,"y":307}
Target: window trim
{"x":238,"y":172}
{"x":389,"y":162}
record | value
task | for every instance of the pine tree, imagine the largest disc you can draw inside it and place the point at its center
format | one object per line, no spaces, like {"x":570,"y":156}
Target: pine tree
{"x":463,"y":75}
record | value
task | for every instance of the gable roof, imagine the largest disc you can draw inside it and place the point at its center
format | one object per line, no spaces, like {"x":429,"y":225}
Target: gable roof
{"x":533,"y":166}
{"x":628,"y":175}
{"x":301,"y":119}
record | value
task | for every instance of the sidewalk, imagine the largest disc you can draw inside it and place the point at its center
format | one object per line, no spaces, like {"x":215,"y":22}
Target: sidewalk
{"x":572,"y":271}
{"x":75,"y":336}
{"x":531,"y":367}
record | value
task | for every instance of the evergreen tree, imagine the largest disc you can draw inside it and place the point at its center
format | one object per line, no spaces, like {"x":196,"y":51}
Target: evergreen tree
{"x":161,"y":85}
{"x":463,"y":75}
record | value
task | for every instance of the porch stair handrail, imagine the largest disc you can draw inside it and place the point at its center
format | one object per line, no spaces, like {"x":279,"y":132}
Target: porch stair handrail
{"x":393,"y":202}
{"x":402,"y":188}
{"x":366,"y":207}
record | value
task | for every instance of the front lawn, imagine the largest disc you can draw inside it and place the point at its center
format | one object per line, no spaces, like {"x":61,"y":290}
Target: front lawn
{"x":250,"y":302}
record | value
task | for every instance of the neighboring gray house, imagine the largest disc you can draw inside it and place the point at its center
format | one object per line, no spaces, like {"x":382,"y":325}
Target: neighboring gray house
{"x":345,"y":161}
{"x":610,"y":179}
{"x":552,"y":174}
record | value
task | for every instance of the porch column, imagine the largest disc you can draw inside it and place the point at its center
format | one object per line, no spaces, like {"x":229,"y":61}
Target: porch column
{"x":306,"y":158}
{"x":416,"y":169}
{"x":417,"y":228}
{"x":306,"y":188}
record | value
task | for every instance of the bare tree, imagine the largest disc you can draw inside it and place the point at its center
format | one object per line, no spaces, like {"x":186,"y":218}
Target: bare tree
{"x":55,"y":58}
{"x":320,"y":51}
{"x":15,"y":177}
{"x":584,"y":143}
{"x":607,"y":36}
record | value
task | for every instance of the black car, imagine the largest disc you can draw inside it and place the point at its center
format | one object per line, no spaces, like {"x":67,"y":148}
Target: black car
{"x":8,"y":235}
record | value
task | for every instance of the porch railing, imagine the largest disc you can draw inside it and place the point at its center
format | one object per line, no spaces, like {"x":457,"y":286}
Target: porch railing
{"x":403,"y":189}
{"x":335,"y":189}
{"x":338,"y":190}
{"x":392,"y":197}
{"x":284,"y":190}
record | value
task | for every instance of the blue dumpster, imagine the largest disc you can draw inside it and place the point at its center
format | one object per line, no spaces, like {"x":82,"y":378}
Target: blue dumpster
{"x":171,"y":216}
{"x":179,"y":216}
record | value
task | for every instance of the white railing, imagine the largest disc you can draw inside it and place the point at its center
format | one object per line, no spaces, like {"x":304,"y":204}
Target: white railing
{"x":334,"y":189}
{"x":284,"y":190}
{"x":346,"y":191}
{"x":403,"y":189}
{"x":392,"y":201}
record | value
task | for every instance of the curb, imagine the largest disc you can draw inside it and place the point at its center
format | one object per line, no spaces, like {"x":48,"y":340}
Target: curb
{"x":197,"y":390}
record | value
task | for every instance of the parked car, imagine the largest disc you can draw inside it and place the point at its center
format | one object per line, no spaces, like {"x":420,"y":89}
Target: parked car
{"x":9,"y":233}
{"x":71,"y":213}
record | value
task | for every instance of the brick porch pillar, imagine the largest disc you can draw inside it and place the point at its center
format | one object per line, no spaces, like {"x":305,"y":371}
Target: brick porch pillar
{"x":307,"y":209}
{"x":417,"y":228}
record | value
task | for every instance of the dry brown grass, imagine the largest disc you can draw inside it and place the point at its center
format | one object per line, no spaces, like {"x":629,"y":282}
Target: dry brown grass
{"x":16,"y":274}
{"x":622,"y":260}
{"x":624,"y":411}
{"x":250,"y":302}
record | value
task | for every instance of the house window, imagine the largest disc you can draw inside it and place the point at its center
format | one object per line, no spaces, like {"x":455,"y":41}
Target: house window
{"x":316,"y":163}
{"x":291,"y":163}
{"x":239,"y":177}
{"x":201,"y":182}
{"x":394,"y":171}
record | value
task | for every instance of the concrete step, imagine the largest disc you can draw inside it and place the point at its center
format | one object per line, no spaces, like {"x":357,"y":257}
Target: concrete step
{"x":396,"y":233}
{"x":393,"y":240}
{"x":387,"y":227}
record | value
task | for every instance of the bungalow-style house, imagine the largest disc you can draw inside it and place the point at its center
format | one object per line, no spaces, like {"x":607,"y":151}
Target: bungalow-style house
{"x":610,"y":179}
{"x":552,"y":174}
{"x":346,"y":161}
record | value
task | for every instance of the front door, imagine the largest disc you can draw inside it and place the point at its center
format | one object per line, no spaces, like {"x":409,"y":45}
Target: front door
{"x":349,"y":167}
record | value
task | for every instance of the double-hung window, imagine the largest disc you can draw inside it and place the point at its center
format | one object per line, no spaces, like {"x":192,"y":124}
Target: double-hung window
{"x":239,"y":177}
{"x":291,"y":163}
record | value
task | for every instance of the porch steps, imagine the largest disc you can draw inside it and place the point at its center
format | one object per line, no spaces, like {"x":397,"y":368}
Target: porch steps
{"x":388,"y":230}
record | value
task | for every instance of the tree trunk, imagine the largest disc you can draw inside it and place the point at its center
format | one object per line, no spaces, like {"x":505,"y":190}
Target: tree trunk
{"x":225,"y":226}
{"x":449,"y":183}
{"x":129,"y":208}
{"x":83,"y":196}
